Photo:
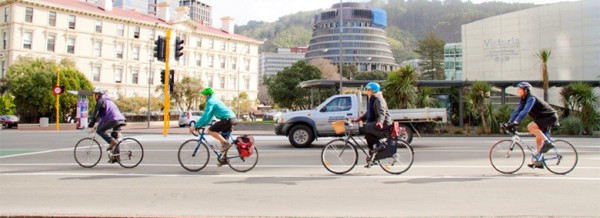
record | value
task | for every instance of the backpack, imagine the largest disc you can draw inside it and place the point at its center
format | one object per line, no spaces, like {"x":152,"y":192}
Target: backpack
{"x":245,"y":145}
{"x":390,"y":148}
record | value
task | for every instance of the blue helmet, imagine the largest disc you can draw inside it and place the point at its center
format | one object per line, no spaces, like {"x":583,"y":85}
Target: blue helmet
{"x":524,"y":85}
{"x":374,"y":86}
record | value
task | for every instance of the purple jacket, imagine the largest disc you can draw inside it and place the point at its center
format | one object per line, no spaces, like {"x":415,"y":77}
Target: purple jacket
{"x":106,"y":110}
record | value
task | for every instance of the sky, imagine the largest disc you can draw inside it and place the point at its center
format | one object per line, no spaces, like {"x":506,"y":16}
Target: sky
{"x":270,"y":10}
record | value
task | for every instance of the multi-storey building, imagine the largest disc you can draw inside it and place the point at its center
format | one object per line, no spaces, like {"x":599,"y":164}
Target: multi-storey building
{"x":114,"y":47}
{"x":453,"y":61}
{"x":364,"y":42}
{"x":272,"y":63}
{"x":199,"y":11}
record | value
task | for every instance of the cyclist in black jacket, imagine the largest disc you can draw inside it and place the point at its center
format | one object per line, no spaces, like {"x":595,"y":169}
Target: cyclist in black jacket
{"x":543,"y":116}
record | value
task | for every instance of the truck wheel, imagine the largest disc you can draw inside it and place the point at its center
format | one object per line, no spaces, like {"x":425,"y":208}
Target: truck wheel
{"x":408,"y":137}
{"x":301,"y":136}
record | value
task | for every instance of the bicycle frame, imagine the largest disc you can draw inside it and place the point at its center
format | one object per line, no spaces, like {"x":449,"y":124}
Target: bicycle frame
{"x":227,"y":135}
{"x":539,"y":157}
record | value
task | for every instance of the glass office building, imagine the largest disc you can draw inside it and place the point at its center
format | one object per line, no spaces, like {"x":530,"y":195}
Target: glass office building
{"x":364,"y":42}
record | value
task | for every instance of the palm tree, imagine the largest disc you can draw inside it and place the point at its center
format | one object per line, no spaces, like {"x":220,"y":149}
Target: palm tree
{"x":399,"y":88}
{"x":424,"y":98}
{"x":544,"y":55}
{"x":477,"y":95}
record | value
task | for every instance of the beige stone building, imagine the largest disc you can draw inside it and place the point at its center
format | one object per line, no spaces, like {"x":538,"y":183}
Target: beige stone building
{"x":114,"y":47}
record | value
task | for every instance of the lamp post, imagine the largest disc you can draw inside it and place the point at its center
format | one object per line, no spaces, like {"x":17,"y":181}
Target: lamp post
{"x":341,"y":30}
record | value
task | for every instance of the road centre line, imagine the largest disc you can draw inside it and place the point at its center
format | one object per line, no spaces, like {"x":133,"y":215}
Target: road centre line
{"x":350,"y":176}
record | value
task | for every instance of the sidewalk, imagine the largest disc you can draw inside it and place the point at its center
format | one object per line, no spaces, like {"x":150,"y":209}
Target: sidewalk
{"x":156,"y":128}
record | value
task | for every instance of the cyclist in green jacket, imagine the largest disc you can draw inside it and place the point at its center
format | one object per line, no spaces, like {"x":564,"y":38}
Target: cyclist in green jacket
{"x":227,"y":119}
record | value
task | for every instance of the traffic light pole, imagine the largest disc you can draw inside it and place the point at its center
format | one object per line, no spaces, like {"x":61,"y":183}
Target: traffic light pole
{"x":167,"y":102}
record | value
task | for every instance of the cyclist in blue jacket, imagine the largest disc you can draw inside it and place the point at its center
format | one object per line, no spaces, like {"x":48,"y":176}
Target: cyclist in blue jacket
{"x":544,"y":117}
{"x":227,"y":119}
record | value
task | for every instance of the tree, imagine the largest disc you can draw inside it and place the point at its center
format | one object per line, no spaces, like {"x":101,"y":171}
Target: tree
{"x":186,"y":93}
{"x":544,"y":55}
{"x":283,"y":87}
{"x":477,"y":94}
{"x":30,"y":81}
{"x":138,"y":104}
{"x":431,"y":50}
{"x":348,"y":71}
{"x":581,"y":99}
{"x":399,"y":88}
{"x":7,"y":105}
{"x":424,"y":98}
{"x":263,"y":92}
{"x":371,"y":75}
{"x":328,"y":70}
{"x":245,"y":105}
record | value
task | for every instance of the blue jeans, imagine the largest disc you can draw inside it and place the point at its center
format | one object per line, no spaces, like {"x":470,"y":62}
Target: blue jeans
{"x":115,"y":125}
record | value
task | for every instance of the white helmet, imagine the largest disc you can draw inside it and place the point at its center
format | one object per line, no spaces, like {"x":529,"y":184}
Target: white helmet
{"x":99,"y":91}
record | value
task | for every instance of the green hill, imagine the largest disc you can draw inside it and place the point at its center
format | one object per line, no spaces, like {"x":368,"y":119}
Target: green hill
{"x":408,"y":22}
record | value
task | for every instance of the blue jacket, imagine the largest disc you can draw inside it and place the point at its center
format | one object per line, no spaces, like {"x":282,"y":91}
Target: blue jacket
{"x":214,"y":107}
{"x":533,"y":106}
{"x":105,"y":110}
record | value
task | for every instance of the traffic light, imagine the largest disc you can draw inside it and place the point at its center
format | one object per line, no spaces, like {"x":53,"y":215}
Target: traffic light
{"x":159,"y":49}
{"x":171,"y":80}
{"x":178,"y":48}
{"x":162,"y":77}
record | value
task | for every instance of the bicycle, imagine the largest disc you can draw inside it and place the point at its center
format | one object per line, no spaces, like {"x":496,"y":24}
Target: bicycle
{"x":193,"y":154}
{"x":128,"y":152}
{"x":341,"y":155}
{"x":507,"y":156}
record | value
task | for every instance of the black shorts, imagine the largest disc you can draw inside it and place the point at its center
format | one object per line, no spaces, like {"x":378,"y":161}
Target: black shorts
{"x":546,"y":123}
{"x":223,"y":125}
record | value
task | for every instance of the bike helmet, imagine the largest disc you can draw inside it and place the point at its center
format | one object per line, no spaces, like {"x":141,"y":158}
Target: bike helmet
{"x":208,"y":91}
{"x":524,"y":85}
{"x":99,"y":91}
{"x":374,"y":86}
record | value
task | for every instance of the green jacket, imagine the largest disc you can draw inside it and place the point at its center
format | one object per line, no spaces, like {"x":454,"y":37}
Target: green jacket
{"x":214,"y":108}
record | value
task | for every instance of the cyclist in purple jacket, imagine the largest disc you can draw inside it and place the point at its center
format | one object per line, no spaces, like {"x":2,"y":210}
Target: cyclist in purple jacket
{"x":110,"y":118}
{"x":543,"y":116}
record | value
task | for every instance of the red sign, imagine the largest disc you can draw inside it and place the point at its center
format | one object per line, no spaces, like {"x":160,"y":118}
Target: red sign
{"x":57,"y":90}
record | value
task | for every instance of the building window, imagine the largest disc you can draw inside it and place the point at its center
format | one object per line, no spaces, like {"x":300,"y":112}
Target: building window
{"x":210,"y":81}
{"x":136,"y":53}
{"x":150,"y":77}
{"x":4,"y":40}
{"x":247,"y":83}
{"x":50,"y":43}
{"x":118,"y":75}
{"x":199,"y":43}
{"x":211,"y":43}
{"x":119,"y":50}
{"x":6,"y":14}
{"x":52,"y":18}
{"x":134,"y":76}
{"x":71,"y":45}
{"x":247,"y":64}
{"x":233,"y":63}
{"x":28,"y":14}
{"x":222,"y":85}
{"x":233,"y":47}
{"x":27,"y":40}
{"x":223,"y":45}
{"x":98,"y":49}
{"x":120,"y":29}
{"x":151,"y":34}
{"x":211,"y":61}
{"x":199,"y":60}
{"x":96,"y":74}
{"x":247,"y":49}
{"x":222,"y":59}
{"x":3,"y":70}
{"x":136,"y":33}
{"x":98,"y":26}
{"x":72,"y":21}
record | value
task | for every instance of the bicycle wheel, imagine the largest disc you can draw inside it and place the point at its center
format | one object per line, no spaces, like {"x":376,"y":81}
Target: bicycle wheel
{"x":507,"y":157}
{"x":562,"y":159}
{"x":129,"y":153}
{"x":339,"y":156}
{"x":401,"y":161}
{"x":193,"y":156}
{"x":87,"y":152}
{"x":239,"y":163}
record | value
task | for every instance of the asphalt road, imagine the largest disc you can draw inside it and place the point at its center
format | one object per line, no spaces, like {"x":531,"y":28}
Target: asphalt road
{"x":450,"y":177}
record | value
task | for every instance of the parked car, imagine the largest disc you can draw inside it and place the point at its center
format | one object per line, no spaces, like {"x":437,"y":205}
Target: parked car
{"x":9,"y":121}
{"x":189,"y":118}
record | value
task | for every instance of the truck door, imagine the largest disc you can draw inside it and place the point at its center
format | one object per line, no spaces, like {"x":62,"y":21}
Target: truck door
{"x":338,"y":108}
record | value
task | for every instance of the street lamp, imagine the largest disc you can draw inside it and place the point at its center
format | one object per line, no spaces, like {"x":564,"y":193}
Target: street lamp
{"x":341,"y":31}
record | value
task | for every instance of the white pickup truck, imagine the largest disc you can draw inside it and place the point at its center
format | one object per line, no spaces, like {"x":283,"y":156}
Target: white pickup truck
{"x":303,"y":127}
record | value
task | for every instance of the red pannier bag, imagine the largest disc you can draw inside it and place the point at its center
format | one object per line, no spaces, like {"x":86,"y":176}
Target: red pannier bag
{"x":245,"y":145}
